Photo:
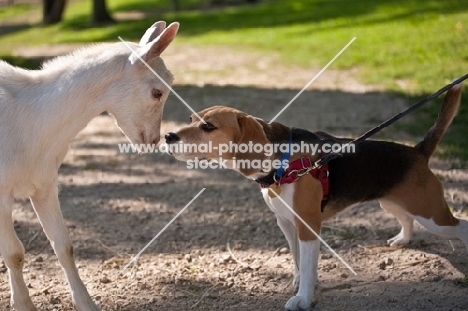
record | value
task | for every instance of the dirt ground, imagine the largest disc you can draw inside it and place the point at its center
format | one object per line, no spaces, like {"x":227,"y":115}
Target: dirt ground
{"x":226,"y":251}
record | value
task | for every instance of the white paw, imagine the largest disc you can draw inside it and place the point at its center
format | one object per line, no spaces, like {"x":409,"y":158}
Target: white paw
{"x":297,"y":303}
{"x":398,"y":240}
{"x":296,"y":281}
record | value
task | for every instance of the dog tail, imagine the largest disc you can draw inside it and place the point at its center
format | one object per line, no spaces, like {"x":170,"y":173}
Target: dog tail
{"x":447,"y":112}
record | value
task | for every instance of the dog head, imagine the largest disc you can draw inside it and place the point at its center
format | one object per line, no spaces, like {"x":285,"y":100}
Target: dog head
{"x":212,"y":138}
{"x":140,"y":92}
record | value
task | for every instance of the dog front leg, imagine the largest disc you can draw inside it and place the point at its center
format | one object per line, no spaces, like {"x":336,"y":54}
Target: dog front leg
{"x":289,"y":230}
{"x":12,"y":251}
{"x":308,"y":267}
{"x":47,"y":208}
{"x":306,"y":199}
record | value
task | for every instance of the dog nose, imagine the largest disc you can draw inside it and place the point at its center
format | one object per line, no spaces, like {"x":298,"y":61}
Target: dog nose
{"x":171,"y":137}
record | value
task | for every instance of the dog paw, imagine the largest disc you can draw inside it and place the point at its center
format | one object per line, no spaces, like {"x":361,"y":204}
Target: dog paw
{"x":398,"y":240}
{"x":298,"y":303}
{"x":296,"y":281}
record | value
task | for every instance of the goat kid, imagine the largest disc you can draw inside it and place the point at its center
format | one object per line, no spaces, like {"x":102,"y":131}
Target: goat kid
{"x":41,"y":111}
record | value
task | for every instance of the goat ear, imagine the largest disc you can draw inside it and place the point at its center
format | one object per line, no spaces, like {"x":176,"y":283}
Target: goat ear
{"x":158,"y":45}
{"x":153,"y":32}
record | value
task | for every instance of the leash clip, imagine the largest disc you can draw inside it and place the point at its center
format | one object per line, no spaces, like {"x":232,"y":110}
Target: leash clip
{"x":274,"y":179}
{"x":304,"y":171}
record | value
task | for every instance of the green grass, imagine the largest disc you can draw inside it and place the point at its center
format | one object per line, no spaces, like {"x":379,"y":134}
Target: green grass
{"x":418,"y":43}
{"x":462,"y":282}
{"x":412,"y":47}
{"x":15,"y":10}
{"x":421,"y":44}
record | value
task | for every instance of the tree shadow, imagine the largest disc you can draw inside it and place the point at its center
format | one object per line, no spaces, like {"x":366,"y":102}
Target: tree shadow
{"x":9,"y":29}
{"x":24,"y":62}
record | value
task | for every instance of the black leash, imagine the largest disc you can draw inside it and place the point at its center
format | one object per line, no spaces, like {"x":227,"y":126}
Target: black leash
{"x":398,"y":116}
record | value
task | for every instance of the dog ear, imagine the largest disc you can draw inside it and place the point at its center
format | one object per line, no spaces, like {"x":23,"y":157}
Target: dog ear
{"x":158,"y":45}
{"x":251,"y":131}
{"x":153,"y":32}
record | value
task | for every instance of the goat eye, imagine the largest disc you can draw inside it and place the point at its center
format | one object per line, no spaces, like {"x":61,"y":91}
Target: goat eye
{"x":208,"y":127}
{"x":157,"y":94}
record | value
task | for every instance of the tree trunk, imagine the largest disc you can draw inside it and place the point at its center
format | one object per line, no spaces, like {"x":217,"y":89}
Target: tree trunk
{"x":176,"y":5}
{"x":100,"y":13}
{"x":52,"y":11}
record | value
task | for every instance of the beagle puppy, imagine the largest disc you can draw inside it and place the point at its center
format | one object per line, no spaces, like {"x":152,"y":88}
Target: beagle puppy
{"x":396,"y":175}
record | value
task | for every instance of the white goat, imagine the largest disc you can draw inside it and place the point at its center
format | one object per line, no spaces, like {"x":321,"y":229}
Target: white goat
{"x":41,"y":111}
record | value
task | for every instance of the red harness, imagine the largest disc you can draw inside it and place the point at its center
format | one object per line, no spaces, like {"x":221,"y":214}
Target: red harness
{"x":304,"y":166}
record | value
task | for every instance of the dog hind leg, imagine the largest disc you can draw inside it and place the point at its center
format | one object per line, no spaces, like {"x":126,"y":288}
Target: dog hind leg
{"x":12,"y":251}
{"x":446,"y":225}
{"x":47,"y":208}
{"x":428,"y":204}
{"x":404,"y":218}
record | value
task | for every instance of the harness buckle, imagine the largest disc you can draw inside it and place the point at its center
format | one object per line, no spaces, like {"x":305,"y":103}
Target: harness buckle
{"x":304,"y":171}
{"x":302,"y":163}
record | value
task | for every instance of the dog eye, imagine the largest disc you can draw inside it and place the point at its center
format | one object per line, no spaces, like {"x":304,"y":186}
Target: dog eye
{"x":208,"y":127}
{"x":157,"y":94}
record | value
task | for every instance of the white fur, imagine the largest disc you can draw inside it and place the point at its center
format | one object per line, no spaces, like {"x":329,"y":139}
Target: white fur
{"x":305,"y":253}
{"x":309,"y":255}
{"x":276,"y":206}
{"x":286,"y":221}
{"x":42,"y":111}
{"x":404,"y":218}
{"x":460,"y":231}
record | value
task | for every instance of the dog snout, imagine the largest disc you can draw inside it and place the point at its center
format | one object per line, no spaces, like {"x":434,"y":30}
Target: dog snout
{"x":171,"y":138}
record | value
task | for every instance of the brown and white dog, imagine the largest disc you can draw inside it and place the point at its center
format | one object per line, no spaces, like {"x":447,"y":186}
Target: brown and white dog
{"x":396,"y":175}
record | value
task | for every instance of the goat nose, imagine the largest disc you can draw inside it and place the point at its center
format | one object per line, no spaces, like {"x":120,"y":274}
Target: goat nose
{"x":171,"y":137}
